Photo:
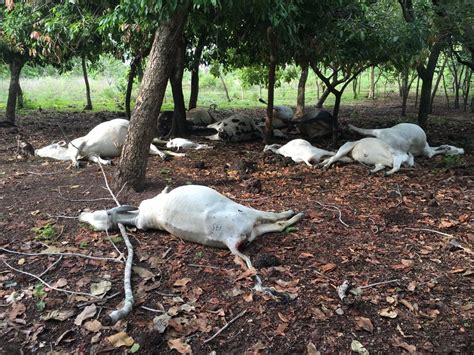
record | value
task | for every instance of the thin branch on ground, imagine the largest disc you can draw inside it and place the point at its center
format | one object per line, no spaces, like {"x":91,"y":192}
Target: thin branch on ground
{"x":430,"y":230}
{"x":379,"y":283}
{"x":48,"y":285}
{"x":62,"y":254}
{"x":50,"y":267}
{"x":129,"y":301}
{"x":225,"y":326}
{"x":42,"y":174}
{"x":205,"y":266}
{"x":333,"y":207}
{"x":153,"y":310}
{"x":61,"y":196}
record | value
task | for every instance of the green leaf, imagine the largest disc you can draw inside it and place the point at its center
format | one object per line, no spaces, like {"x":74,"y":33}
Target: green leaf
{"x":135,"y":347}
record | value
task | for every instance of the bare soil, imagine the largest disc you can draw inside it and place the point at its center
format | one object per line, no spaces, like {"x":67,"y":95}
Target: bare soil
{"x":413,"y":229}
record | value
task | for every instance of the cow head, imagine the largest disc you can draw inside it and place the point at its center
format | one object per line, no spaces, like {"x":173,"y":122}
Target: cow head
{"x":58,"y":151}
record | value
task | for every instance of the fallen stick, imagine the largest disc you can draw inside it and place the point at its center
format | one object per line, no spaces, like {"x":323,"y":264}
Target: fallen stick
{"x":129,"y":300}
{"x":334,"y":208}
{"x":225,"y":326}
{"x":48,"y":285}
{"x":61,"y":254}
{"x":430,"y":230}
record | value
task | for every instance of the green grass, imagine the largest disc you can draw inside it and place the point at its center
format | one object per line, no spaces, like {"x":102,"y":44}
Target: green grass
{"x":67,"y":92}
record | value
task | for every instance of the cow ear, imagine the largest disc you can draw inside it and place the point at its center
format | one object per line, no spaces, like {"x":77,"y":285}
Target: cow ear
{"x":62,"y":143}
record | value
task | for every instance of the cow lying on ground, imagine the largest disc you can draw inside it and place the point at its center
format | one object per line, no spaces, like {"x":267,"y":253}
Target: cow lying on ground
{"x":373,"y":151}
{"x":281,"y":114}
{"x":314,"y":124}
{"x":408,"y":137}
{"x":236,"y":128}
{"x":201,"y":117}
{"x":182,"y":143}
{"x":103,"y":141}
{"x":300,"y":150}
{"x":197,"y":214}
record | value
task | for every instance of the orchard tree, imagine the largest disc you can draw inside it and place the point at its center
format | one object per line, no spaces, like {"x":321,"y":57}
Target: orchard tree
{"x":133,"y":161}
{"x":20,"y":43}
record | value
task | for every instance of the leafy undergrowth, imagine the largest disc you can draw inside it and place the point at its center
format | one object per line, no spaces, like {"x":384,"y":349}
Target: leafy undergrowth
{"x":412,"y":232}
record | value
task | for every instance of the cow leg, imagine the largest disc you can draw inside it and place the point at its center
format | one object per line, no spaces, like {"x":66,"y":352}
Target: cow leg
{"x":343,"y":151}
{"x":264,"y":216}
{"x":377,"y":167}
{"x":75,"y":157}
{"x":155,"y":151}
{"x":397,"y":162}
{"x":279,"y":226}
{"x":99,"y":160}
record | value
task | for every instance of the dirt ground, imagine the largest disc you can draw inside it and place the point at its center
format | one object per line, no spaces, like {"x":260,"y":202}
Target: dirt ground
{"x":411,"y":232}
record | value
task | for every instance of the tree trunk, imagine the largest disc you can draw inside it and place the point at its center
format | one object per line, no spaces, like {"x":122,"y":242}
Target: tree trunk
{"x":323,"y":98}
{"x":300,"y":102}
{"x":15,"y":70}
{"x":417,"y":93}
{"x":193,"y":97}
{"x":456,"y":81}
{"x":438,"y":79}
{"x":19,"y":101}
{"x":446,"y":92}
{"x":371,"y":94}
{"x":131,"y":76}
{"x":134,"y":159}
{"x":404,"y":93}
{"x":178,"y":127}
{"x":472,"y":104}
{"x":224,"y":85}
{"x":335,"y":114}
{"x":354,"y":88}
{"x":426,"y":75}
{"x":466,"y":88}
{"x":86,"y":81}
{"x":317,"y":89}
{"x":271,"y":86}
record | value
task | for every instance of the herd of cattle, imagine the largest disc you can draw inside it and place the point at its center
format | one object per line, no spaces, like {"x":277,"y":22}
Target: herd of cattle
{"x":202,"y":215}
{"x":386,"y":148}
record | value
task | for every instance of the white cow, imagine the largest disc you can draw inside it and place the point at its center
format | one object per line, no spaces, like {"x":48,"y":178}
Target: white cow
{"x":197,"y":214}
{"x":182,"y":143}
{"x":408,"y":137}
{"x":373,"y":151}
{"x":104,"y":140}
{"x":281,"y":114}
{"x":300,"y":151}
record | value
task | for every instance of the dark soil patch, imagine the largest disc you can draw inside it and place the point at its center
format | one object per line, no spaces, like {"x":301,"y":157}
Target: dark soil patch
{"x":390,"y":235}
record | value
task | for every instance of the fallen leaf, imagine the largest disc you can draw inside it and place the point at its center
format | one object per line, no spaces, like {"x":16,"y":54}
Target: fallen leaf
{"x":74,"y":186}
{"x":160,"y":323}
{"x":93,"y":326}
{"x":407,"y":305}
{"x":248,"y":297}
{"x":120,"y":339}
{"x":388,"y":313}
{"x":182,"y":282}
{"x":281,"y":329}
{"x":364,"y":323}
{"x":247,"y":273}
{"x":60,"y":283}
{"x":283,"y":318}
{"x":396,"y":341}
{"x":306,"y":255}
{"x":145,"y":274}
{"x":36,"y":212}
{"x":311,"y":349}
{"x":328,"y":267}
{"x":17,"y":310}
{"x":135,"y":347}
{"x":256,"y":348}
{"x":457,"y":271}
{"x":408,"y":263}
{"x":412,"y":286}
{"x":58,"y":315}
{"x":180,"y":346}
{"x":100,"y":288}
{"x":87,"y":313}
{"x":358,"y":348}
{"x":51,"y":249}
{"x":21,"y":261}
{"x":390,"y":299}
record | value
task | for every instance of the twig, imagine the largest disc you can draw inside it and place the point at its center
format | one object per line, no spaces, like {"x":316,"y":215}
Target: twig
{"x":430,"y":230}
{"x":334,"y":208}
{"x":42,"y":174}
{"x":48,"y":285}
{"x":226,"y":326}
{"x":205,"y":266}
{"x":81,"y":200}
{"x":379,"y":283}
{"x":153,"y":310}
{"x":61,"y":254}
{"x":51,"y":266}
{"x":128,"y":302}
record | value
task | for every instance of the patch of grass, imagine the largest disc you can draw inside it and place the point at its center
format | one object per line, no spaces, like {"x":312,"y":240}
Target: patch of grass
{"x":199,"y":254}
{"x":116,"y":238}
{"x":45,"y":232}
{"x":83,"y":245}
{"x":452,"y":161}
{"x":39,"y":294}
